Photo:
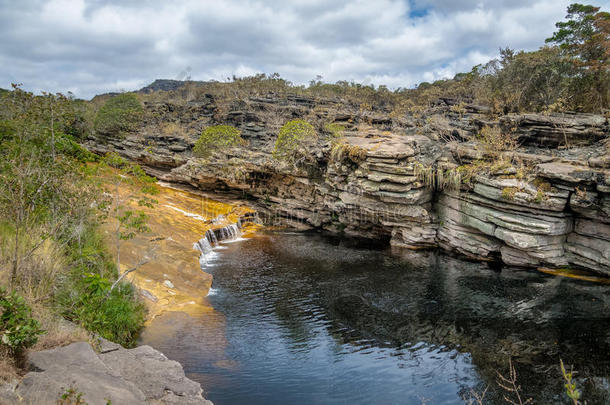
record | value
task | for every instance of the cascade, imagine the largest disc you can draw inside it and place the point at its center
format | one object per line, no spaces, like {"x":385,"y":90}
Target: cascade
{"x":211,"y":239}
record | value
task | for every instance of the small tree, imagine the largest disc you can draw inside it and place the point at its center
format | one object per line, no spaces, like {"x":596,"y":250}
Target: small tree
{"x":217,"y":137}
{"x":35,"y":187}
{"x":292,"y":140}
{"x":585,"y":40}
{"x":128,"y":222}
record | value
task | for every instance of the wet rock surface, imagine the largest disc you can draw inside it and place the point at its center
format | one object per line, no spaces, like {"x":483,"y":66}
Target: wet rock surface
{"x":550,"y":208}
{"x":122,"y":376}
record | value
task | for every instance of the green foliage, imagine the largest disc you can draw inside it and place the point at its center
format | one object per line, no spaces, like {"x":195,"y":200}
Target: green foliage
{"x":570,"y":386}
{"x":67,"y":146}
{"x":217,"y":137}
{"x":584,"y":40}
{"x":121,"y":113}
{"x":71,"y":396}
{"x":526,"y":81}
{"x":47,"y":198}
{"x":116,"y":315}
{"x":293,"y":136}
{"x":17,"y":327}
{"x":334,"y":129}
{"x":85,"y":295}
{"x":579,"y":29}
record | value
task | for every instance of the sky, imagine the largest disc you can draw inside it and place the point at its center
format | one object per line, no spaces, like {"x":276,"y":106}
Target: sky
{"x":90,"y":47}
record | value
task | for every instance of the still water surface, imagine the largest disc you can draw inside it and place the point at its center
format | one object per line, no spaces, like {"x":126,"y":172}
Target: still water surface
{"x":305,"y":319}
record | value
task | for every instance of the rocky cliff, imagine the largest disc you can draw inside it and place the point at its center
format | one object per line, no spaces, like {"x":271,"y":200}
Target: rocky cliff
{"x":416,"y":180}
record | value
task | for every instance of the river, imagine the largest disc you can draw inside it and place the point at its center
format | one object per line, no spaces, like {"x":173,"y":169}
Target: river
{"x":301,"y":318}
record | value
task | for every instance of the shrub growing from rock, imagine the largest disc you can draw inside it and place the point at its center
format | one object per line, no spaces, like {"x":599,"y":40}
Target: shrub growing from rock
{"x":294,"y":136}
{"x":217,"y":137}
{"x":121,"y":113}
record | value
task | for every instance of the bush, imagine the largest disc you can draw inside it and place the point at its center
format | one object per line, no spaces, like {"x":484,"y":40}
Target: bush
{"x":19,"y":330}
{"x":334,"y":129}
{"x":217,"y":137}
{"x":116,"y":315}
{"x":85,"y":295}
{"x":492,"y":141}
{"x":121,"y":113}
{"x":294,"y":135}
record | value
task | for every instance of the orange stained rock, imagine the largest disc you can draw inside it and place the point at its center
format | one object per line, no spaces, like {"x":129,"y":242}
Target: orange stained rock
{"x":575,"y":274}
{"x":172,"y":279}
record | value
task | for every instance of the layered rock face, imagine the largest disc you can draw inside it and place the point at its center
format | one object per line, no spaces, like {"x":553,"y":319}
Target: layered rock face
{"x":403,"y":180}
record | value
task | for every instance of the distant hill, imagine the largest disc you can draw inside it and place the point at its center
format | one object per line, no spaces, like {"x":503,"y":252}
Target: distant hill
{"x":165,"y":85}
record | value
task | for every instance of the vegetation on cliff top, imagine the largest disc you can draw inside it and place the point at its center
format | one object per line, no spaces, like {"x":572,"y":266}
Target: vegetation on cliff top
{"x":570,"y":73}
{"x":294,"y":136}
{"x":119,"y":114}
{"x":217,"y":137}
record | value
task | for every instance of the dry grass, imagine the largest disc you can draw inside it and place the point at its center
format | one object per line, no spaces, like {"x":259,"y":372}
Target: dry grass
{"x":492,"y":141}
{"x":173,"y":129}
{"x":38,"y":275}
{"x":9,"y":367}
{"x":59,"y":332}
{"x":343,"y":150}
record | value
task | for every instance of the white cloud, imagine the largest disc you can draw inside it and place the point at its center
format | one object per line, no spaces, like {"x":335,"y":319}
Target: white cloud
{"x":95,"y":46}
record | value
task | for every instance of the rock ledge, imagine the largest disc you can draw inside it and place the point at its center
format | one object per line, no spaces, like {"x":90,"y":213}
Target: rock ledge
{"x":116,"y":375}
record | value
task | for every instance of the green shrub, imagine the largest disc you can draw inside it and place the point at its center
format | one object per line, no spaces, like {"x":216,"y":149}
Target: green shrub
{"x":217,"y":137}
{"x":66,"y":145}
{"x":334,"y":129}
{"x":121,"y":113}
{"x":116,"y":315}
{"x":293,"y":136}
{"x":85,"y":298}
{"x":19,"y":330}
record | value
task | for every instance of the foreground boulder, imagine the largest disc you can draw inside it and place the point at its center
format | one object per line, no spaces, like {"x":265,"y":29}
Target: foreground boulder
{"x":115,"y":375}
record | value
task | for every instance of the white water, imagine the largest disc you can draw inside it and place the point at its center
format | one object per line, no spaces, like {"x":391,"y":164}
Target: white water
{"x":210,"y":242}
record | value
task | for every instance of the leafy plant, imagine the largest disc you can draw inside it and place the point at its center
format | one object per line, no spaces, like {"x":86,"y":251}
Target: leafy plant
{"x":570,"y":386}
{"x":121,"y":113}
{"x":585,"y":40}
{"x":334,"y":129}
{"x":217,"y":137}
{"x":116,"y":314}
{"x":293,"y":136}
{"x":71,"y":396}
{"x":17,"y":327}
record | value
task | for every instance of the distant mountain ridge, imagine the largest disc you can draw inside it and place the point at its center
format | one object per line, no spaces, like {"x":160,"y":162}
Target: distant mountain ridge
{"x":165,"y":85}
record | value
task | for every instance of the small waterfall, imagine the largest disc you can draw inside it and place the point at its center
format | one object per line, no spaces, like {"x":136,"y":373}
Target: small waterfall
{"x":229,"y":232}
{"x":205,"y":247}
{"x":211,"y":239}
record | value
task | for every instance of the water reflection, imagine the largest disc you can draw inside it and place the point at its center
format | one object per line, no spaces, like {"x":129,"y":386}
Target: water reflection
{"x":315,"y":320}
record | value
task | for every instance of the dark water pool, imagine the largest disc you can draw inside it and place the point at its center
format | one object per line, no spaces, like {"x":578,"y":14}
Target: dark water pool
{"x":303,"y":319}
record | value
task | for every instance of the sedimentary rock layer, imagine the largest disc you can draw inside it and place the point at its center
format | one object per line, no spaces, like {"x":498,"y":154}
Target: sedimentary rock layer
{"x":529,"y":207}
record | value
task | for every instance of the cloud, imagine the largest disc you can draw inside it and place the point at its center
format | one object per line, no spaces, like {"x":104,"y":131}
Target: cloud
{"x":94,"y":46}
